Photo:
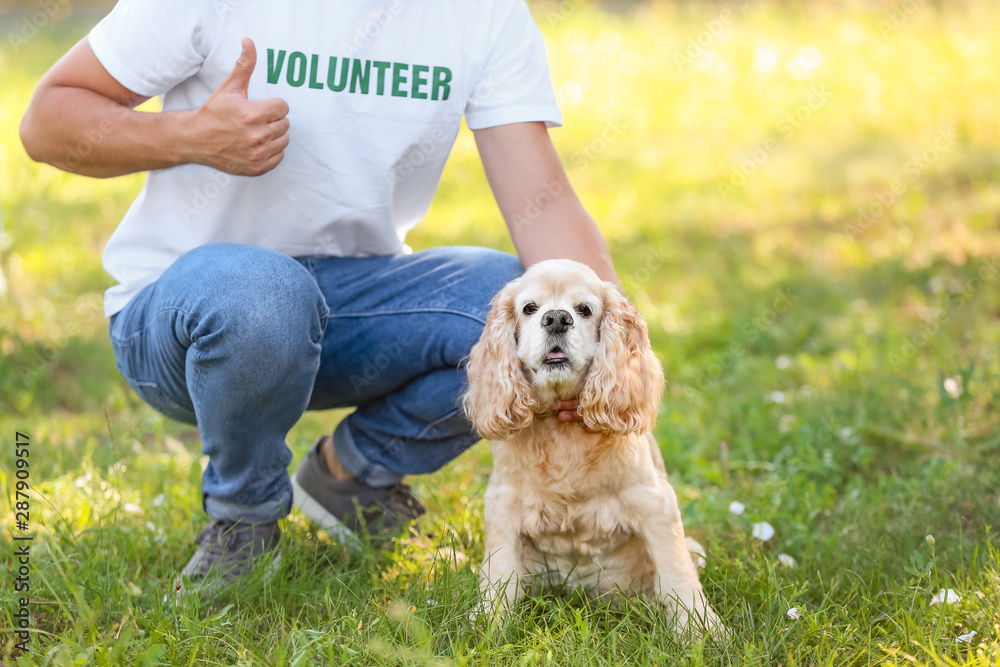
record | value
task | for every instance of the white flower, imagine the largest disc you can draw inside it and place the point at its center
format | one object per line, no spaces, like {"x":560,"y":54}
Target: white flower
{"x":947,"y":596}
{"x":432,"y":603}
{"x":953,"y":386}
{"x":80,"y":481}
{"x":131,"y":508}
{"x":846,"y":432}
{"x":777,"y":397}
{"x":158,"y":500}
{"x":782,"y":362}
{"x":793,"y":613}
{"x":786,"y":560}
{"x":763,"y":531}
{"x":966,"y":639}
{"x":736,"y":507}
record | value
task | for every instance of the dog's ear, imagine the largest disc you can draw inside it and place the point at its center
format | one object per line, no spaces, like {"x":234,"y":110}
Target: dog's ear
{"x":499,"y":401}
{"x":623,"y":387}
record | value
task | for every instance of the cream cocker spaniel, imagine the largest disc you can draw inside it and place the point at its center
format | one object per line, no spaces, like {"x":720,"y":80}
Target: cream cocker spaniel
{"x":587,"y":507}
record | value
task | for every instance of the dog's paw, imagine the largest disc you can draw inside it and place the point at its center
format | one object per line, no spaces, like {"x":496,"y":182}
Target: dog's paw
{"x":690,"y":625}
{"x":716,"y":628}
{"x":489,"y":609}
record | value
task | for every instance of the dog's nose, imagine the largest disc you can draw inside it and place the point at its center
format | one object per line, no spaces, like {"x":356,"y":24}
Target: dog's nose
{"x":557,"y":321}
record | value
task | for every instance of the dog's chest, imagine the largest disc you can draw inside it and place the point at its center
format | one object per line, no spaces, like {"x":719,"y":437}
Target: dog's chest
{"x":585,"y":530}
{"x":576,"y":524}
{"x":583,"y":544}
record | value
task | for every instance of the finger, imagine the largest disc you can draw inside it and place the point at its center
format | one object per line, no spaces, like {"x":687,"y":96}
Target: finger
{"x":267,"y":165}
{"x":278,"y":127}
{"x":271,"y":109}
{"x":238,"y":80}
{"x":276,"y":145}
{"x":570,"y":416}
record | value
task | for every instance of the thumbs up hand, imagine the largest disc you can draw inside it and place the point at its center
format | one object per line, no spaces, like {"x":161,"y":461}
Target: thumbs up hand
{"x":236,"y":135}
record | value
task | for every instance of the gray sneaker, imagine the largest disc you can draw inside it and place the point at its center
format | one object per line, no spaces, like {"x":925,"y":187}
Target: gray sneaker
{"x":347,"y":509}
{"x":226,"y":551}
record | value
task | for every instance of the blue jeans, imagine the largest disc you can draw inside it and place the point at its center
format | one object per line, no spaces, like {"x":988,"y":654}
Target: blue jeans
{"x":241,"y":340}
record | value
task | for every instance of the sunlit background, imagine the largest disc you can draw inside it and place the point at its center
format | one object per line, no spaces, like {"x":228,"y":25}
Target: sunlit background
{"x":803,"y":199}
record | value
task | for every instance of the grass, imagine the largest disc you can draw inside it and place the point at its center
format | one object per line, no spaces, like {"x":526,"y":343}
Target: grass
{"x":820,"y":281}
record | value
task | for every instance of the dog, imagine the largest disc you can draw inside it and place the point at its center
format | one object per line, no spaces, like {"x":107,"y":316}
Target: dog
{"x":583,"y":504}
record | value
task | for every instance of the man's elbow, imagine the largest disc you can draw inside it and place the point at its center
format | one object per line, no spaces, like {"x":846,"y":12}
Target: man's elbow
{"x":29,"y":137}
{"x":33,"y":137}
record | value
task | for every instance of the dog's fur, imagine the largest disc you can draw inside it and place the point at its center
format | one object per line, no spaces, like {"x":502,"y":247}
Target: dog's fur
{"x":566,"y":504}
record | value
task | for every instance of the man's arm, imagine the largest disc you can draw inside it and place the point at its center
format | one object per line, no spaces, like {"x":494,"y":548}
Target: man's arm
{"x":545,"y":217}
{"x":82,"y":120}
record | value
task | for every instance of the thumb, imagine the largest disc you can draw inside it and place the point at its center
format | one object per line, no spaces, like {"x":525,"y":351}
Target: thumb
{"x":238,"y":80}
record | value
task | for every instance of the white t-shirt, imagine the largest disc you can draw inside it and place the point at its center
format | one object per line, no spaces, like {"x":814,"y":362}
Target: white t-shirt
{"x":377,"y":91}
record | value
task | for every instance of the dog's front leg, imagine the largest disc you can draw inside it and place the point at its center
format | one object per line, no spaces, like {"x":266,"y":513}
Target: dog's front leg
{"x":676,"y":582}
{"x":499,"y":575}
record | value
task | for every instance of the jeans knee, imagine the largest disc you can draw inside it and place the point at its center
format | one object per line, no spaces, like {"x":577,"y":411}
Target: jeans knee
{"x":264,"y":299}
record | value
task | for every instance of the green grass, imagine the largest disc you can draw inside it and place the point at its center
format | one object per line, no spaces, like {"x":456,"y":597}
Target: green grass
{"x":859,"y":419}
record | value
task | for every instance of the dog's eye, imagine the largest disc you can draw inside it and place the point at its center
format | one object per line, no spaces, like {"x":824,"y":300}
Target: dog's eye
{"x":584,"y":310}
{"x":529,"y":308}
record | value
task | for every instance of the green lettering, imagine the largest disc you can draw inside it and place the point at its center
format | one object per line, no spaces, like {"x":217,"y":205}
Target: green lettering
{"x":418,"y":81}
{"x":359,"y":80}
{"x":313,"y":72}
{"x":274,"y":68}
{"x":296,"y":75}
{"x":381,"y":66}
{"x":441,"y":82}
{"x":337,"y":87}
{"x":399,"y":79}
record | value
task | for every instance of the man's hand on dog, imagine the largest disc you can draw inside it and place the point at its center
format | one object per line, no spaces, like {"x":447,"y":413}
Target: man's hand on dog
{"x":566,"y":412}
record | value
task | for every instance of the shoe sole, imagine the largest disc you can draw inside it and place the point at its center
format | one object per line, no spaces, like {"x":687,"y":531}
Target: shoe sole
{"x":320,"y":516}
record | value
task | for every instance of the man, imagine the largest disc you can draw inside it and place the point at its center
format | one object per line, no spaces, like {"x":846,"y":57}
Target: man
{"x":262,"y":271}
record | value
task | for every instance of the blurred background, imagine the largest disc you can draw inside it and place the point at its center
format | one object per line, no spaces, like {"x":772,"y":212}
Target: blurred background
{"x":803,"y":199}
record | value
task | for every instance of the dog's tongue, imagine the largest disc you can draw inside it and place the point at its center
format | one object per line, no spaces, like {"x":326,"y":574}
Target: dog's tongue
{"x":555,"y":355}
